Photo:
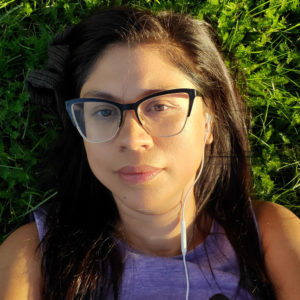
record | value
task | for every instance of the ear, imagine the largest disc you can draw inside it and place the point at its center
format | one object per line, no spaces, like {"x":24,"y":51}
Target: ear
{"x":208,"y":131}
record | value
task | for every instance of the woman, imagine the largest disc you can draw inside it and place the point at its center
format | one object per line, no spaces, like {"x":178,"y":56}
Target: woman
{"x":153,"y":183}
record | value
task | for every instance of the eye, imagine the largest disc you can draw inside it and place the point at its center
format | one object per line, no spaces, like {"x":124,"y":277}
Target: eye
{"x":159,"y":106}
{"x":104,"y":112}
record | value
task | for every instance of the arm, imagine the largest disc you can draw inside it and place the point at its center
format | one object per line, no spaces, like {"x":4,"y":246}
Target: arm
{"x":20,"y":265}
{"x":280,"y":232}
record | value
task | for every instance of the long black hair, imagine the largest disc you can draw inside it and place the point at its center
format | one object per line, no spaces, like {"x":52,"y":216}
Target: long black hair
{"x":79,"y":253}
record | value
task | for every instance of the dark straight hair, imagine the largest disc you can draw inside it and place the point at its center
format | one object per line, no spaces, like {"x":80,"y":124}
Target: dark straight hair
{"x":80,"y":257}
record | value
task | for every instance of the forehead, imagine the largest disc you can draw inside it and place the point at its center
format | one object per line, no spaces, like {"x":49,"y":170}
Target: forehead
{"x":125,"y":71}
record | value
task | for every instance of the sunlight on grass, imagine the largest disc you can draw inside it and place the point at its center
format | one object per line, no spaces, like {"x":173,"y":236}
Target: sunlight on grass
{"x":259,"y":39}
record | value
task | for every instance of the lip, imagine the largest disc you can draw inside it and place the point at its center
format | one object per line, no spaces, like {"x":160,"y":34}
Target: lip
{"x":138,"y":174}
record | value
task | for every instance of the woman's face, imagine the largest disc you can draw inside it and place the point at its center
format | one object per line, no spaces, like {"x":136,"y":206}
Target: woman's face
{"x":145,"y":173}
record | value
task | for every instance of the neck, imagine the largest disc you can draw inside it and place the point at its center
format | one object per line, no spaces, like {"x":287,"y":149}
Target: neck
{"x":157,"y":234}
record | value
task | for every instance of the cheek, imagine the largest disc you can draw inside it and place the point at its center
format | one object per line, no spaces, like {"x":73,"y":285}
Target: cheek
{"x":98,"y":159}
{"x":193,"y":144}
{"x":185,"y":150}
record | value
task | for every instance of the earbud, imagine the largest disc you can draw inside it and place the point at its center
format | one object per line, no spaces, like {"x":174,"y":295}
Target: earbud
{"x":208,"y":117}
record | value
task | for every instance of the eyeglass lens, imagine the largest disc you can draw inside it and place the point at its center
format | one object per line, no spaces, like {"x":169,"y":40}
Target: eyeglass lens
{"x":163,"y":115}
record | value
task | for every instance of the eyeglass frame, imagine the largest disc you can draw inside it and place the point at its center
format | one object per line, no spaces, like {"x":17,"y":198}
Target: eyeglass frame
{"x":193,"y":93}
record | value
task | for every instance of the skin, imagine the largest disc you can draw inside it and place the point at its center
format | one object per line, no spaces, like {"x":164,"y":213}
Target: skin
{"x":150,"y":212}
{"x":20,"y":265}
{"x":149,"y":207}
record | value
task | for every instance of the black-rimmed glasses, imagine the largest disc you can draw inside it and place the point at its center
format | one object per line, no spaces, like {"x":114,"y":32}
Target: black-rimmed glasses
{"x":161,"y":114}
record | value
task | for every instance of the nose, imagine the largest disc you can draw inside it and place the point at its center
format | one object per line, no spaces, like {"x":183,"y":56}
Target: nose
{"x":132,"y":136}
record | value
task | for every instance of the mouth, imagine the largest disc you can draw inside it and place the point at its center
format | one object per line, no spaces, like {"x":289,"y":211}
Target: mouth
{"x":138,"y":174}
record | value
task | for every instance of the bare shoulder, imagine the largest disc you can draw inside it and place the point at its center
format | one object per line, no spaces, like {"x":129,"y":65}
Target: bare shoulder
{"x":20,"y":265}
{"x":280,"y":233}
{"x":276,"y":221}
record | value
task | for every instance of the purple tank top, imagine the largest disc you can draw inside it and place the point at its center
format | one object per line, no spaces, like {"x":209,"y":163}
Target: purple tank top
{"x":159,"y":278}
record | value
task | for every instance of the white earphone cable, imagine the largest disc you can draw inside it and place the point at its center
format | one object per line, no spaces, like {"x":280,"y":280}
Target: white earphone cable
{"x":183,"y":225}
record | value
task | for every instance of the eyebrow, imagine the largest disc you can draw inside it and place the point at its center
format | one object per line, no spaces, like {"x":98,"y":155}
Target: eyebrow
{"x":107,"y":96}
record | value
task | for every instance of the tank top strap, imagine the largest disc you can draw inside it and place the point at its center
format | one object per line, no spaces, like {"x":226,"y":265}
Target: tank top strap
{"x":39,"y":217}
{"x":257,"y":227}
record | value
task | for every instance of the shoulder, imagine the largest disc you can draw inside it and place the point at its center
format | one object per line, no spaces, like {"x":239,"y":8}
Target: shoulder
{"x":20,"y":265}
{"x":276,"y":221}
{"x":280,"y":234}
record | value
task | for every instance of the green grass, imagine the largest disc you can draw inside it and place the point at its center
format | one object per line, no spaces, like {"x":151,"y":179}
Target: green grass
{"x":261,"y":38}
